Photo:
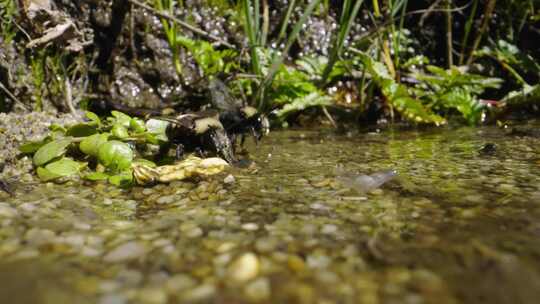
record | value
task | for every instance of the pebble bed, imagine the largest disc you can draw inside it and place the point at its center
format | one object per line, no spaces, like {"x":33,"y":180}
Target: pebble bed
{"x":456,"y":226}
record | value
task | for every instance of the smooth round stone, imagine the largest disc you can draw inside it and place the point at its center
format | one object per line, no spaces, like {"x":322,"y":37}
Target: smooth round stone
{"x":229,"y":179}
{"x":179,"y":282}
{"x":7,"y":211}
{"x":152,"y":295}
{"x":166,"y":199}
{"x":244,"y":268}
{"x":125,"y":252}
{"x":250,"y":226}
{"x":266,"y":244}
{"x":200,"y":293}
{"x":147,"y":191}
{"x":39,"y":237}
{"x":258,"y":290}
{"x":112,"y":299}
{"x":329,"y":229}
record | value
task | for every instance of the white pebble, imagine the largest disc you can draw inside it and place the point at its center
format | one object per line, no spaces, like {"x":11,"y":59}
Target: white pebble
{"x":125,"y":252}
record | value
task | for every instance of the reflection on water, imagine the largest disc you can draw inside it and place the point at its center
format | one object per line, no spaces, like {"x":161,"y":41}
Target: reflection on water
{"x":456,"y":225}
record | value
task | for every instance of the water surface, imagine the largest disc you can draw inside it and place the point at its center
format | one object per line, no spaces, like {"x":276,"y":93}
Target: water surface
{"x":458,"y":225}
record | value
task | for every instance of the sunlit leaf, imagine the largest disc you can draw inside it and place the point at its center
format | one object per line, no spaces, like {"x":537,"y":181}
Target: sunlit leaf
{"x":90,"y":145}
{"x":115,"y":155}
{"x":122,"y":179}
{"x":121,"y":118}
{"x":51,"y":151}
{"x":119,"y":131}
{"x":97,"y":176}
{"x":65,"y":167}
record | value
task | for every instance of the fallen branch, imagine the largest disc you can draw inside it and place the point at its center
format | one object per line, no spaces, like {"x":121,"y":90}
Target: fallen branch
{"x":181,"y":23}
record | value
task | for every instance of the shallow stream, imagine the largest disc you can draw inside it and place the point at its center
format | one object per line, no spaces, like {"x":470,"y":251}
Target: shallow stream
{"x":459,"y":224}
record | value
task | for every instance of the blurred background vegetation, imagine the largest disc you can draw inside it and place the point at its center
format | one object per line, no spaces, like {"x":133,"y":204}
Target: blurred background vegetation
{"x":305,"y":62}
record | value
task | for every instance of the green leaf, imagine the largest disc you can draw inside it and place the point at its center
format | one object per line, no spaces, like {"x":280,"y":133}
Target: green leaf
{"x":51,"y":151}
{"x":90,"y":145}
{"x":65,"y":167}
{"x":121,"y":118}
{"x":56,"y":127}
{"x":93,"y":118}
{"x":304,"y":102}
{"x":115,"y":155}
{"x":81,"y":130}
{"x":137,"y":125}
{"x":97,"y":176}
{"x":46,"y":175}
{"x":119,"y":131}
{"x":122,"y":179}
{"x":33,"y":146}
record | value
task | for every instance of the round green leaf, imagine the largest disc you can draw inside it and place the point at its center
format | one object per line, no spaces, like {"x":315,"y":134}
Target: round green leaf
{"x":137,"y":125}
{"x":93,"y":118}
{"x":81,"y":130}
{"x":115,"y":155}
{"x":121,"y":118}
{"x":119,"y":131}
{"x":46,"y":175}
{"x":33,"y":146}
{"x":51,"y":151}
{"x":90,"y":145}
{"x":97,"y":176}
{"x":64,"y":167}
{"x":123,"y":179}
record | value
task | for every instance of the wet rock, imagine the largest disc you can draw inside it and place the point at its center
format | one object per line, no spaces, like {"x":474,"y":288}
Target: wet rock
{"x":258,"y":290}
{"x":125,"y":252}
{"x":7,"y":211}
{"x":152,"y":295}
{"x":229,"y":179}
{"x":244,"y":268}
{"x":179,"y":282}
{"x":200,"y":293}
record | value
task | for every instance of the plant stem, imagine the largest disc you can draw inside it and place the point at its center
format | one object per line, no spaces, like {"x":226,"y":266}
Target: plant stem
{"x":449,"y":48}
{"x":490,"y":7}
{"x":468,"y":27}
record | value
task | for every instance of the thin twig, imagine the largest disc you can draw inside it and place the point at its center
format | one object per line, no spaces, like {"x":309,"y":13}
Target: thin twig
{"x":332,"y":121}
{"x":13,"y":97}
{"x":69,"y":97}
{"x":182,"y":23}
{"x":428,"y":12}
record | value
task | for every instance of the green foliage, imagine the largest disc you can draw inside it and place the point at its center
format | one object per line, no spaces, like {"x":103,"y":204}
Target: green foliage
{"x":210,"y":61}
{"x":526,"y":95}
{"x":115,"y":155}
{"x":398,"y":95}
{"x":8,"y":12}
{"x":314,"y":99}
{"x":105,"y":153}
{"x":454,"y":89}
{"x":51,"y":150}
{"x":511,"y":59}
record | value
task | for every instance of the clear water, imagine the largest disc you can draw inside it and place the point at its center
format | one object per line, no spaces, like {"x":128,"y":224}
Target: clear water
{"x":456,"y":226}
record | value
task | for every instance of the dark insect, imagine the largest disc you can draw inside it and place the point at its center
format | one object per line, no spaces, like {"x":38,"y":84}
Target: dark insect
{"x":5,"y":187}
{"x":199,"y":132}
{"x":237,"y":117}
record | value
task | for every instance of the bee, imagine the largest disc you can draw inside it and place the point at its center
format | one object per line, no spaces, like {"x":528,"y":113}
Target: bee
{"x":199,"y":132}
{"x":237,"y":118}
